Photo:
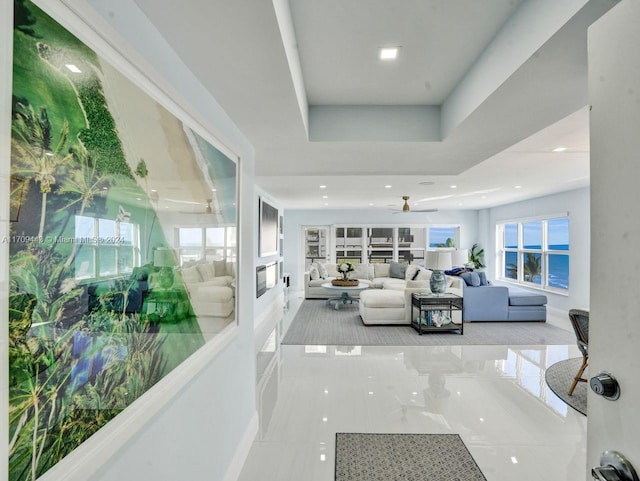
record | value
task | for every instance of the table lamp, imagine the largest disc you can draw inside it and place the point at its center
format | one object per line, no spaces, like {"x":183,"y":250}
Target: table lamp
{"x":460,"y":257}
{"x":164,"y":259}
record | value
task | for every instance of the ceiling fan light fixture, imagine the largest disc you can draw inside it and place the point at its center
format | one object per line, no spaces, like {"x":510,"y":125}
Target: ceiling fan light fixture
{"x":405,"y":207}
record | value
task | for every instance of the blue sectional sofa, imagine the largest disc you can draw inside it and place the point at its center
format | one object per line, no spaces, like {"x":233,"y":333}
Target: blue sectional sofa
{"x":501,"y":303}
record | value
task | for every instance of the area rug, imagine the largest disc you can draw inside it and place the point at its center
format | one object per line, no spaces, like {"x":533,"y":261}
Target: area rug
{"x":559,"y":377}
{"x":407,"y":457}
{"x":315,"y":323}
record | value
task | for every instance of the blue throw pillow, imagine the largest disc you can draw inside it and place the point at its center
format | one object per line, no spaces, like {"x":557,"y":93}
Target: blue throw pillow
{"x":398,"y":270}
{"x":471,"y":278}
{"x":483,"y":278}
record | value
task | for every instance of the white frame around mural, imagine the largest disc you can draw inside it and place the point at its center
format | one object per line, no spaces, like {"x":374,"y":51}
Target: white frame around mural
{"x":95,"y":452}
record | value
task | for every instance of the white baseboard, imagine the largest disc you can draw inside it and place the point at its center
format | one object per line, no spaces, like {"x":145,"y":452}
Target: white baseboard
{"x":559,"y":318}
{"x":242,"y":451}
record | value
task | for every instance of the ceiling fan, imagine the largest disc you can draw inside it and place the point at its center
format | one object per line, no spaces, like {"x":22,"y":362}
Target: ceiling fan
{"x":406,"y":208}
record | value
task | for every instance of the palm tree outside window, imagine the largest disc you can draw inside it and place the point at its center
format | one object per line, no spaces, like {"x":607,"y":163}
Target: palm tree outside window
{"x":535,"y":252}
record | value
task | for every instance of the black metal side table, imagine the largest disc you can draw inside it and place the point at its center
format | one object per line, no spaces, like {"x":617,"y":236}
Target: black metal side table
{"x":435,"y":312}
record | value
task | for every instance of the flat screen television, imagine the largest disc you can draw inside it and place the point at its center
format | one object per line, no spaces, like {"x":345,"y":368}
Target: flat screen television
{"x":268,"y":233}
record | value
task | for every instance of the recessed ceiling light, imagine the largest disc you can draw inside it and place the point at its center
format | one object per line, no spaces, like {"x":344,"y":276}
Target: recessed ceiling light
{"x":454,"y":186}
{"x":154,"y":190}
{"x":559,"y":149}
{"x":514,"y":460}
{"x":73,"y":68}
{"x":326,"y":203}
{"x":370,"y":203}
{"x":325,"y":196}
{"x":387,"y":186}
{"x":323,"y":186}
{"x":517,"y":187}
{"x":388,"y":53}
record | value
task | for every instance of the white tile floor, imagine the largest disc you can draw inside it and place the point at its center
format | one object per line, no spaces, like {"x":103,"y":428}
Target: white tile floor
{"x":494,"y":397}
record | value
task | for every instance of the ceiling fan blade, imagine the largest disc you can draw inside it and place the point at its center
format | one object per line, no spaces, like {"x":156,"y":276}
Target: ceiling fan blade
{"x":425,"y":210}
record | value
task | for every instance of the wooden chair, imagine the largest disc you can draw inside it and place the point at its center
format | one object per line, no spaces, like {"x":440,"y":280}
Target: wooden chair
{"x":580,"y":322}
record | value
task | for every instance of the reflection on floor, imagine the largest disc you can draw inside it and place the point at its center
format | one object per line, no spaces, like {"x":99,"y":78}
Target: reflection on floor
{"x":494,"y":397}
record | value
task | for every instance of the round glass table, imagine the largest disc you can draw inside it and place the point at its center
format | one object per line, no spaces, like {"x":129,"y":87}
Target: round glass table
{"x":345,"y":292}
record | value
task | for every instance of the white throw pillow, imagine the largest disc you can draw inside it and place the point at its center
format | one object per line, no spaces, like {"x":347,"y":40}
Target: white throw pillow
{"x":207,"y":271}
{"x":381,"y":269}
{"x":314,"y":274}
{"x":423,"y":275}
{"x":322,"y":270}
{"x":361,"y":272}
{"x":191,"y":275}
{"x":332,"y":270}
{"x":412,"y":270}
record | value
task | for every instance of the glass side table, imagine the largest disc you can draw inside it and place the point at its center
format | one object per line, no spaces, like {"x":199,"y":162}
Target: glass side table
{"x":435,"y":312}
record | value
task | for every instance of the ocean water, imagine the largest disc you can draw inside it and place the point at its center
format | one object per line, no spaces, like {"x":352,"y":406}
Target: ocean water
{"x":558,"y":267}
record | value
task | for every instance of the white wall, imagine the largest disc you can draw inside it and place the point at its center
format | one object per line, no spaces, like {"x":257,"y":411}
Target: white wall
{"x":204,"y":429}
{"x":295,"y":219}
{"x":573,"y":202}
{"x":614,"y":93}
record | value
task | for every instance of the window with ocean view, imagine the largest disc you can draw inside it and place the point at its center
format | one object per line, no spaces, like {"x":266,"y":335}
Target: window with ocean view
{"x":535,"y":252}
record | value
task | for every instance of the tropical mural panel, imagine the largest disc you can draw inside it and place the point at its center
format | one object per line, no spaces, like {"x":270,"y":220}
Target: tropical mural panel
{"x":122,"y":244}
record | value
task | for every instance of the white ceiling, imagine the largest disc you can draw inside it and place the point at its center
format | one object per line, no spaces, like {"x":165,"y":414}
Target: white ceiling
{"x":480,"y":95}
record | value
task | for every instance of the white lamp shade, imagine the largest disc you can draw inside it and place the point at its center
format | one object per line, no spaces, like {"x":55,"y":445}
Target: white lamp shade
{"x":459,"y":257}
{"x":438,"y":260}
{"x":163,"y":257}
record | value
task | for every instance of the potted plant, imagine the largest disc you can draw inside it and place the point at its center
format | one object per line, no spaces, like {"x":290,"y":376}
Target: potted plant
{"x":344,"y":268}
{"x":476,"y":257}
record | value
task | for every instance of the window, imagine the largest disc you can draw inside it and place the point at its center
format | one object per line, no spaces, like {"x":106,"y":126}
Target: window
{"x":536,"y":252}
{"x":446,"y":237}
{"x":105,"y":248}
{"x":206,"y":243}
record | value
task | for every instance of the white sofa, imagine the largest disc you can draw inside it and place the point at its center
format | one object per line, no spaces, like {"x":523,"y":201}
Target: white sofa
{"x":377,"y":274}
{"x":388,"y":301}
{"x":210,"y":288}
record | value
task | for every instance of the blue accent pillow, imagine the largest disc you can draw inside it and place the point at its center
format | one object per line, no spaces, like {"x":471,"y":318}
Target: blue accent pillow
{"x":471,"y":278}
{"x":483,"y":278}
{"x":398,"y":270}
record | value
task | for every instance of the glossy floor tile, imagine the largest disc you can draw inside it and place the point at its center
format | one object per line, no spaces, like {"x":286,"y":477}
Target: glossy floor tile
{"x":494,"y":397}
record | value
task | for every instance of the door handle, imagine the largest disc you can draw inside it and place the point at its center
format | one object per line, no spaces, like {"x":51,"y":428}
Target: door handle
{"x":614,"y":467}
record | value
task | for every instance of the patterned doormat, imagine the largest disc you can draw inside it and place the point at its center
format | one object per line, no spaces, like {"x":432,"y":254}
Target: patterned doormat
{"x":559,"y":377}
{"x":406,"y":457}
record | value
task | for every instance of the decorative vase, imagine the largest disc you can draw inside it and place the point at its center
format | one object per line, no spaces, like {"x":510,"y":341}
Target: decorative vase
{"x":165,"y":277}
{"x":438,"y":282}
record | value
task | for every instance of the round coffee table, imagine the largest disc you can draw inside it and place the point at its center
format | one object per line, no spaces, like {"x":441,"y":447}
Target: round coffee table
{"x":345,"y":292}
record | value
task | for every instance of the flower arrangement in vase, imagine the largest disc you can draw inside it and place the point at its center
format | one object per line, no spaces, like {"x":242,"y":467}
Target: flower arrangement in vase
{"x":344,"y":268}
